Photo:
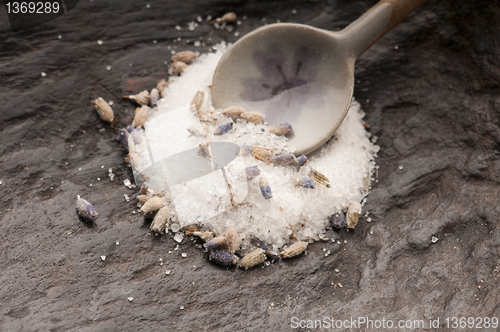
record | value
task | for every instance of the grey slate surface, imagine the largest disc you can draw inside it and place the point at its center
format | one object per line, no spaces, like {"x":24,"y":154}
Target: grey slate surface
{"x":430,"y":89}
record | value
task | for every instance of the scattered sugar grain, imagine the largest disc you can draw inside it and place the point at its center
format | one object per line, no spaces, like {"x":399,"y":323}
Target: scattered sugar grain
{"x":178,"y":237}
{"x":192,"y":25}
{"x":175,"y":228}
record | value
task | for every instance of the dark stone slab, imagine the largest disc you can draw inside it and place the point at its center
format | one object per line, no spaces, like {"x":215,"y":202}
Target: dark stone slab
{"x":430,"y":89}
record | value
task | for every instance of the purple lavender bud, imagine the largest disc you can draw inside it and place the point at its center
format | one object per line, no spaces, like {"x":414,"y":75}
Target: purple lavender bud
{"x":221,"y":130}
{"x":300,"y":161}
{"x":305,"y":182}
{"x":252,"y":172}
{"x":283,"y":159}
{"x":124,"y":134}
{"x":337,"y":220}
{"x":85,"y":210}
{"x":216,"y":243}
{"x":265,"y":189}
{"x":223,"y":257}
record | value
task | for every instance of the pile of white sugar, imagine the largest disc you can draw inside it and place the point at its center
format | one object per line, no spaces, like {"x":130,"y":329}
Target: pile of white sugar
{"x":293,"y":212}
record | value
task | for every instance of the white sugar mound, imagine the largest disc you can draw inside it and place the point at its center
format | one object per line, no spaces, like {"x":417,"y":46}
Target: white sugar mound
{"x":347,"y":160}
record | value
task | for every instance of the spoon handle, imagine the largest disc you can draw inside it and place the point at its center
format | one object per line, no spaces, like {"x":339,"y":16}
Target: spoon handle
{"x":400,"y":10}
{"x":361,"y":34}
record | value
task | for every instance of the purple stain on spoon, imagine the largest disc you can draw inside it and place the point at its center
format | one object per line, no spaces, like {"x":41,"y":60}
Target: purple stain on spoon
{"x":284,"y":85}
{"x":278,"y":74}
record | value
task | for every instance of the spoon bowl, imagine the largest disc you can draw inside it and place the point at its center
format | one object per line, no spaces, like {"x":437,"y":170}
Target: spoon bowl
{"x":300,"y":74}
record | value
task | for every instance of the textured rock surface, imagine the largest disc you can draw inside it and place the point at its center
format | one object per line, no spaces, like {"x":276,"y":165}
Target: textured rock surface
{"x":431,"y":92}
